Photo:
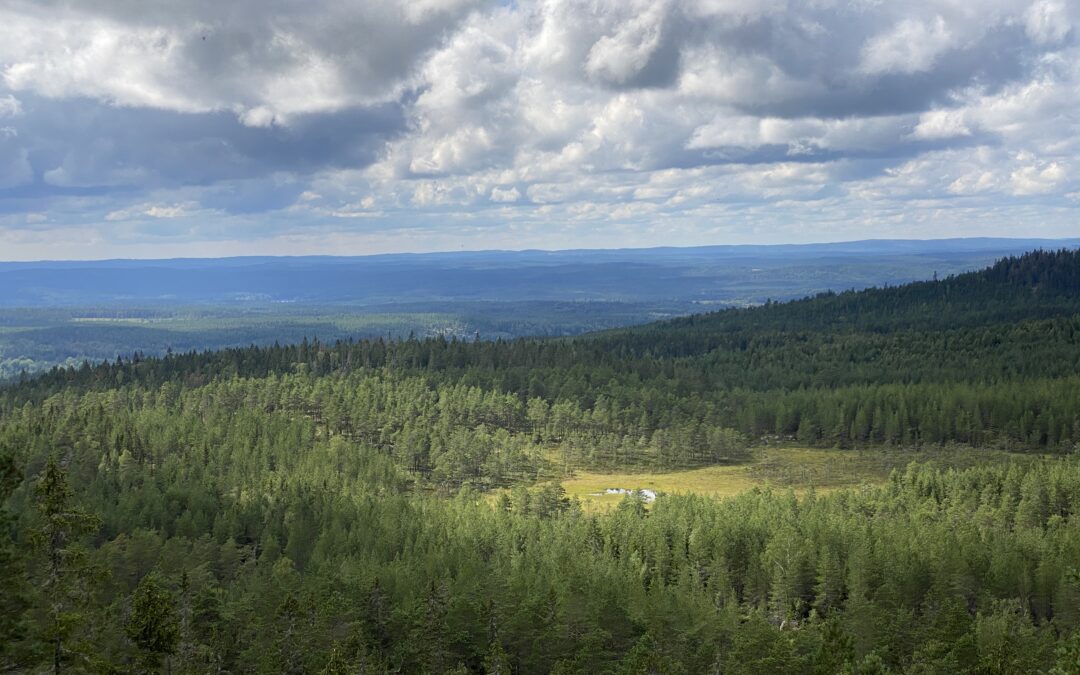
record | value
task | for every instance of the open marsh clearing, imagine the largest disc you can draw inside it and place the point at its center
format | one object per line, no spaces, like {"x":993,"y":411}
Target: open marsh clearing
{"x":799,"y":469}
{"x":715,"y":481}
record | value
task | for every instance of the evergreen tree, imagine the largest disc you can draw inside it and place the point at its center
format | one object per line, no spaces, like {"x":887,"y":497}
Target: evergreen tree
{"x":66,"y":572}
{"x":496,"y":662}
{"x":14,"y":590}
{"x":153,"y":624}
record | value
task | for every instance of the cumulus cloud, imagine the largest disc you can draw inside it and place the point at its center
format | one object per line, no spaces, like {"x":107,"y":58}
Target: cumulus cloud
{"x":504,"y":195}
{"x":622,"y":55}
{"x":166,"y":211}
{"x":513,"y":116}
{"x":1048,"y":21}
{"x":911,"y":47}
{"x":261,"y":61}
{"x":941,"y":124}
{"x":1036,"y":177}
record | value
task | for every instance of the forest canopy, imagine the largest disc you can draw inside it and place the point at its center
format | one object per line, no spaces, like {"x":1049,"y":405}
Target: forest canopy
{"x":387,"y":506}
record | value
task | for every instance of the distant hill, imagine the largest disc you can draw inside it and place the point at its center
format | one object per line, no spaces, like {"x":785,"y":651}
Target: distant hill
{"x":722,"y":275}
{"x":1037,"y":285}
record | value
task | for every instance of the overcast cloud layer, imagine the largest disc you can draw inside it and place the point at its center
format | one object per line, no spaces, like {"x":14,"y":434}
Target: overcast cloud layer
{"x":153,"y":128}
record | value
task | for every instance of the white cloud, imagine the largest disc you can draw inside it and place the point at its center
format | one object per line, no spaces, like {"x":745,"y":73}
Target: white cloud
{"x":237,"y":56}
{"x":173,"y":211}
{"x":259,"y":116}
{"x":939,"y":124}
{"x":1047,"y":21}
{"x":727,"y":130}
{"x":802,"y":135}
{"x":621,"y":55}
{"x":1038,"y":178}
{"x":505,"y":196}
{"x":912,"y":46}
{"x":157,"y":211}
{"x":975,"y":182}
{"x":10,"y":106}
{"x":463,"y":149}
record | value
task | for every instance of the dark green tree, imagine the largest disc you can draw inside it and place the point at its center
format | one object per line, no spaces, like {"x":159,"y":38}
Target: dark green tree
{"x":14,"y":591}
{"x":66,"y":570}
{"x":645,"y":659}
{"x":153,"y":624}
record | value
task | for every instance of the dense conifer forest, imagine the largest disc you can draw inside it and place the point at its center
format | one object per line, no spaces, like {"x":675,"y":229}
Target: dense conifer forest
{"x":392,"y":506}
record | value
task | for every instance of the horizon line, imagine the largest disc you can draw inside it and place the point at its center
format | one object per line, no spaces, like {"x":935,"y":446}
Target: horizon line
{"x":317,"y":256}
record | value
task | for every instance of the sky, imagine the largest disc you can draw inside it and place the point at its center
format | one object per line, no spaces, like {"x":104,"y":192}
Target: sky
{"x":158,"y":128}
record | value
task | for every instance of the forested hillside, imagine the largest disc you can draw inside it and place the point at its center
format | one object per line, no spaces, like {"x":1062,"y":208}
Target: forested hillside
{"x":985,"y":358}
{"x":64,"y":312}
{"x":382,"y":506}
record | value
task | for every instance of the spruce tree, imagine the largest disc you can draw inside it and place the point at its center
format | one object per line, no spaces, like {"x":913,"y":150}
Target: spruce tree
{"x":153,"y":624}
{"x":66,"y":568}
{"x":14,"y":590}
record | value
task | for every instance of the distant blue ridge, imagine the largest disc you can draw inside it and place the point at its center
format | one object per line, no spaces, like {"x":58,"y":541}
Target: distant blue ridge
{"x":736,"y":273}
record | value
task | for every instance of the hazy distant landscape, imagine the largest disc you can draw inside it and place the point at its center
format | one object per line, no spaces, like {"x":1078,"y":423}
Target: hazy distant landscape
{"x":724,"y":275}
{"x":65,"y":312}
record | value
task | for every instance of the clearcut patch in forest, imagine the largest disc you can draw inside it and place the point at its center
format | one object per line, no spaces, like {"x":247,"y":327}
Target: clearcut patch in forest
{"x":797,"y":468}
